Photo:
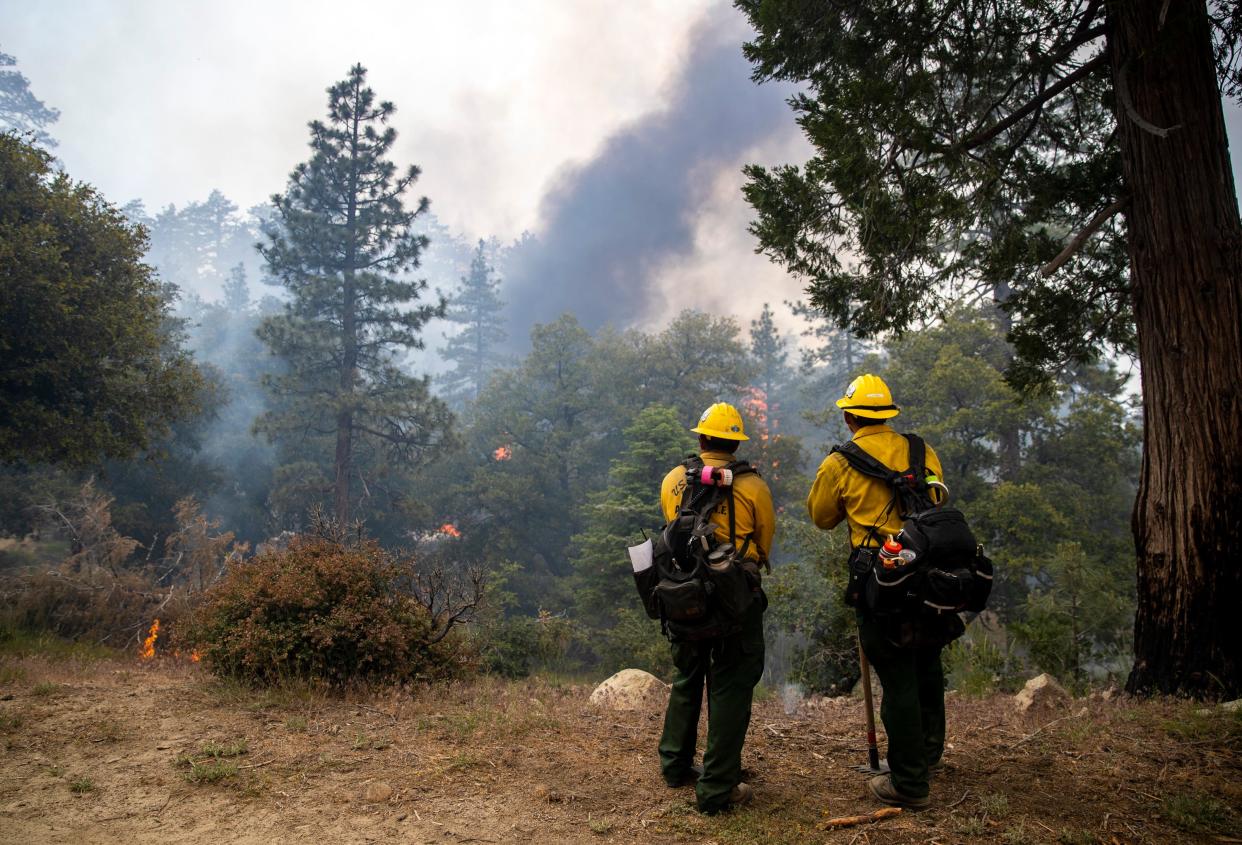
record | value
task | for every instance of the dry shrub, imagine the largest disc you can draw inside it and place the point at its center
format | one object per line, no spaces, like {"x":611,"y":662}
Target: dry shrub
{"x":326,"y":610}
{"x":93,"y":594}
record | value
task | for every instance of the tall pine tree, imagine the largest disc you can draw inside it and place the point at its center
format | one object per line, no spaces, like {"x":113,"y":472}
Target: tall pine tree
{"x":474,"y":351}
{"x":344,"y":243}
{"x":767,"y":347}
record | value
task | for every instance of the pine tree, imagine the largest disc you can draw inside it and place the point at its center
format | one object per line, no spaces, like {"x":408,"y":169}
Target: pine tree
{"x":477,"y":307}
{"x":767,"y":347}
{"x":617,"y":516}
{"x":236,"y":291}
{"x":344,"y":240}
{"x":20,"y":109}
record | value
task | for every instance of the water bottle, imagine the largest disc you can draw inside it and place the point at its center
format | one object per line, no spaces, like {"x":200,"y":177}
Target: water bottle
{"x":890,"y":553}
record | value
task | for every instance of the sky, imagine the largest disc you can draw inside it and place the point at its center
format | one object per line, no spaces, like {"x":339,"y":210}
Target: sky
{"x":502,"y":105}
{"x":614,"y":131}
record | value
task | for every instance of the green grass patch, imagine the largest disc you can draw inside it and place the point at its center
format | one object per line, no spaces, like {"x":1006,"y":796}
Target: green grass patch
{"x":236,"y":748}
{"x":296,"y":724}
{"x":994,"y":804}
{"x":18,"y":642}
{"x":286,"y":695}
{"x":81,"y":785}
{"x":1196,"y":723}
{"x":211,"y":771}
{"x":1198,"y":813}
{"x":971,"y":826}
{"x":1017,"y":834}
{"x":11,"y":721}
{"x":47,"y":689}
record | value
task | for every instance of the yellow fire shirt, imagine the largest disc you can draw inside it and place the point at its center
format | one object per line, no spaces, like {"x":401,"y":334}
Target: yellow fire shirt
{"x":840,"y":492}
{"x":755,"y":516}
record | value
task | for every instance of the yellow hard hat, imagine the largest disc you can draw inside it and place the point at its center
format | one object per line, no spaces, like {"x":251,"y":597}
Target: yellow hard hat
{"x":723,"y":421}
{"x":868,"y":396}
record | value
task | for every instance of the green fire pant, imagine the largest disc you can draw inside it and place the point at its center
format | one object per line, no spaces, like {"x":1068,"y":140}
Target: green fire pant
{"x":729,"y":667}
{"x":913,"y":705}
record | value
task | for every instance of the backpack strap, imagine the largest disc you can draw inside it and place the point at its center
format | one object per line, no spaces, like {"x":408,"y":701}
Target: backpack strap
{"x":863,"y":462}
{"x":918,"y":455}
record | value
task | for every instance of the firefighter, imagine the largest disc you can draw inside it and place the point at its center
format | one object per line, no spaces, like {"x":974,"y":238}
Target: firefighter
{"x":912,"y":677}
{"x":729,"y":666}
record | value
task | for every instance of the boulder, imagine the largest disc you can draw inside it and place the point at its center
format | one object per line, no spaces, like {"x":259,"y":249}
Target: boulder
{"x":1041,"y":693}
{"x":631,"y":689}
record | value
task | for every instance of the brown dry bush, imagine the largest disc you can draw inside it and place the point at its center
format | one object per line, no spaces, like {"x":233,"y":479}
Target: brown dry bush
{"x":322,"y":609}
{"x":95,"y":593}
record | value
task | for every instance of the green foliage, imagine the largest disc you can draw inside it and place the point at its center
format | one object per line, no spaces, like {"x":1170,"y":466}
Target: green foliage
{"x":767,"y":348}
{"x":210,"y":771}
{"x":90,"y":366}
{"x":938,"y":180}
{"x":321,"y":610}
{"x":518,"y":646}
{"x":633,"y":642}
{"x":805,"y":604}
{"x":1082,"y":616}
{"x":977,"y":666}
{"x":1047,"y":482}
{"x":474,"y":350}
{"x":623,"y":512}
{"x":342,"y":248}
{"x":1057,"y":520}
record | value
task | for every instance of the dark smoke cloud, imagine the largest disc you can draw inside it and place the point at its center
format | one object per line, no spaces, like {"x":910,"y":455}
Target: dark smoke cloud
{"x":609,"y":225}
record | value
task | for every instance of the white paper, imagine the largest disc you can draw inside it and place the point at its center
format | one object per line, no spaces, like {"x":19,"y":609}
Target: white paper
{"x":640,"y":556}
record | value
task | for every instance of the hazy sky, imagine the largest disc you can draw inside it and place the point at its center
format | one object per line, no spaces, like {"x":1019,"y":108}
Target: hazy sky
{"x":522,"y":115}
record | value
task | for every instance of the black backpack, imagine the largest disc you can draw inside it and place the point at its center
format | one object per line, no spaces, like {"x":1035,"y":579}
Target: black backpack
{"x":948,"y":573}
{"x":696,"y":586}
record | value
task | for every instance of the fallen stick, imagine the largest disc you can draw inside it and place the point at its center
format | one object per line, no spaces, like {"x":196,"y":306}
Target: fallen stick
{"x":869,"y":818}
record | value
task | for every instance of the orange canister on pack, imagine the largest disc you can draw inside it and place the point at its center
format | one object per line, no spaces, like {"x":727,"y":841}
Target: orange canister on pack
{"x":890,"y":553}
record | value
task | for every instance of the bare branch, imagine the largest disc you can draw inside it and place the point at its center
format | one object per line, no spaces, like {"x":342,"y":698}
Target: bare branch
{"x":1081,"y":238}
{"x":1123,"y":93}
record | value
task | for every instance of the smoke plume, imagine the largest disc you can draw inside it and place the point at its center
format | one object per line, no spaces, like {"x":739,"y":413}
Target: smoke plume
{"x":608,"y":225}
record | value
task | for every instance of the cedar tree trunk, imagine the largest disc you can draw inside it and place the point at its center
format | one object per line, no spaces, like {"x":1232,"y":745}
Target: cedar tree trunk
{"x":1185,"y":265}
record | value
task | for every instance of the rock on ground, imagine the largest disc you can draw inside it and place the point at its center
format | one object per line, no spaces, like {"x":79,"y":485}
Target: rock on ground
{"x":377,"y":792}
{"x":631,"y":689}
{"x":1041,"y":693}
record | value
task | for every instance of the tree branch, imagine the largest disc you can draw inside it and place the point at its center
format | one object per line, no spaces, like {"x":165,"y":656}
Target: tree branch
{"x":1031,"y":105}
{"x":1123,"y":93}
{"x":1081,"y":238}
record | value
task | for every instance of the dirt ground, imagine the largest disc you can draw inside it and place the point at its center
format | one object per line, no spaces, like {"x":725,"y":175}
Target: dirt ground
{"x":118,"y":752}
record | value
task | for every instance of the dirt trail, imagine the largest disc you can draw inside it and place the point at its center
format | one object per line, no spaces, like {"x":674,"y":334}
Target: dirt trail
{"x":103,"y":753}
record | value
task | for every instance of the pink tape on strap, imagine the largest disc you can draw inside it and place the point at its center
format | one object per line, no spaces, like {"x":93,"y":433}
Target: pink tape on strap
{"x":705,"y":477}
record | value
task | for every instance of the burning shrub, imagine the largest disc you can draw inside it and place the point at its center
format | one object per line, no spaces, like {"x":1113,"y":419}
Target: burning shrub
{"x":323,"y":609}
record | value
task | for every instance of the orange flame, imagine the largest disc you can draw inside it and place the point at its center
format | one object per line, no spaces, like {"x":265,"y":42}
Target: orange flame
{"x":755,"y":403}
{"x":503,"y":453}
{"x":194,"y":656}
{"x":148,"y":645}
{"x":450,"y":529}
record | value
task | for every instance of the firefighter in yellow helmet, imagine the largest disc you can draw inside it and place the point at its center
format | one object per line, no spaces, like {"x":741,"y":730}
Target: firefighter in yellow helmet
{"x":912,"y":677}
{"x":734,"y":662}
